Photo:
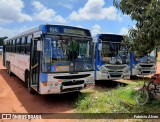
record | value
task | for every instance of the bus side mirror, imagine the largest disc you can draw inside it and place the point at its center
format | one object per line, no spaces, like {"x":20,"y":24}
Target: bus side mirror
{"x":100,"y":47}
{"x":39,"y":45}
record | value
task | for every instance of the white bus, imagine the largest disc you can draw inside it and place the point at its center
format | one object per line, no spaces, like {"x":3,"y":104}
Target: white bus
{"x":51,"y":59}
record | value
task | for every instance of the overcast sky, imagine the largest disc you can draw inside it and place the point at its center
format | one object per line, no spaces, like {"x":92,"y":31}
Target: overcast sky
{"x":100,"y":16}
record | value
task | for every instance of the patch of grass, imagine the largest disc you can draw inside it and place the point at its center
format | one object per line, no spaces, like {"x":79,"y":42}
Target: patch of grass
{"x":119,"y":100}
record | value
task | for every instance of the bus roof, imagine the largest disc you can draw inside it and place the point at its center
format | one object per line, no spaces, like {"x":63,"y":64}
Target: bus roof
{"x":41,"y":28}
{"x":35,"y":29}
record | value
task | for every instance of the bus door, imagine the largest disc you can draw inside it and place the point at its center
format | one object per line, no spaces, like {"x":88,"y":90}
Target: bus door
{"x":35,"y":65}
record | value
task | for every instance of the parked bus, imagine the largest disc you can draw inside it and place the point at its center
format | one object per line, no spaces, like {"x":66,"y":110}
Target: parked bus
{"x":51,"y":59}
{"x":112,"y":58}
{"x":143,"y":65}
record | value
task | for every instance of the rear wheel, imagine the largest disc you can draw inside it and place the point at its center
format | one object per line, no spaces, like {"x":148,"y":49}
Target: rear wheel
{"x":28,"y":83}
{"x":142,"y":96}
{"x":7,"y":66}
{"x":9,"y":69}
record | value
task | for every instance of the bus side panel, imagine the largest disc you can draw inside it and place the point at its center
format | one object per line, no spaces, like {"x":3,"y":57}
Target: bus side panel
{"x":18,"y":63}
{"x":23,"y":64}
{"x":12,"y":58}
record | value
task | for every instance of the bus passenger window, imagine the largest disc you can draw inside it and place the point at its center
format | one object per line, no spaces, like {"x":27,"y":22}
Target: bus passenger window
{"x":28,"y":45}
{"x":17,"y":43}
{"x":7,"y":46}
{"x":13,"y":46}
{"x":20,"y":40}
{"x":10,"y":46}
{"x":23,"y":45}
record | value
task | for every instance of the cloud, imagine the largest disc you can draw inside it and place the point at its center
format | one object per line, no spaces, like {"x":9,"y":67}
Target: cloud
{"x":59,"y":19}
{"x":95,"y":10}
{"x":96,"y":29}
{"x":11,"y":32}
{"x":123,"y":31}
{"x":45,"y":14}
{"x":38,"y":6}
{"x":68,"y":6}
{"x":11,"y":11}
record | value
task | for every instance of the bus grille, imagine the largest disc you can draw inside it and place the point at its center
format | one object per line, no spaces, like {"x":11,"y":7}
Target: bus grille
{"x":76,"y":82}
{"x":115,"y":67}
{"x":71,"y":89}
{"x":113,"y":76}
{"x":72,"y":76}
{"x":146,"y":72}
{"x":144,"y":65}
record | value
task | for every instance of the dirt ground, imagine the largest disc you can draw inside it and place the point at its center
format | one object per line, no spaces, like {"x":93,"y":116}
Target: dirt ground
{"x":14,"y":98}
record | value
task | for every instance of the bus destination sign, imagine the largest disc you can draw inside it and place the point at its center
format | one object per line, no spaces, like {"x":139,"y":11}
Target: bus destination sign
{"x":73,"y":31}
{"x":110,"y":37}
{"x":68,"y":30}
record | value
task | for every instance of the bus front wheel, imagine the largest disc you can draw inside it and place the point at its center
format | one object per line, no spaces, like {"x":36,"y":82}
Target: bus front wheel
{"x":28,"y":83}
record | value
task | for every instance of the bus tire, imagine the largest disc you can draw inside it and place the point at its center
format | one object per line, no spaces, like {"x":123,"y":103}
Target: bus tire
{"x":28,"y":83}
{"x":26,"y":78}
{"x":7,"y":66}
{"x":9,"y":69}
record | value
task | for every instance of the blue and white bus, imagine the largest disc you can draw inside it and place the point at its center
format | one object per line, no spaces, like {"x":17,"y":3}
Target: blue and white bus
{"x":112,"y":58}
{"x":51,"y":59}
{"x":144,"y":65}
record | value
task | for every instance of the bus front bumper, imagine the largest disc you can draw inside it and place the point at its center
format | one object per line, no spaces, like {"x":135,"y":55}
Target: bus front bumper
{"x":66,"y":86}
{"x":115,"y":76}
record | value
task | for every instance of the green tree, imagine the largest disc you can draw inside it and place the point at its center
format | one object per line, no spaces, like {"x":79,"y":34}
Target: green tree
{"x":1,"y":40}
{"x":146,"y":35}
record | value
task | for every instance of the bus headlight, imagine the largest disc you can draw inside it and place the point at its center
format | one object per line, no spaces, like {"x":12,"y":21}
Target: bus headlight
{"x":127,"y":70}
{"x":90,"y":80}
{"x":103,"y":70}
{"x":153,"y":67}
{"x":136,"y":67}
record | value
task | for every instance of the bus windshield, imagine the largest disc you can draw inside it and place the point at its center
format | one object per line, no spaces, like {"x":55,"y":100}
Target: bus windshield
{"x":114,"y":53}
{"x":150,"y":57}
{"x":66,"y":54}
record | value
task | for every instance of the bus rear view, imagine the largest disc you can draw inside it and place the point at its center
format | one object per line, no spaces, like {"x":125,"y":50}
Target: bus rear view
{"x":112,"y":58}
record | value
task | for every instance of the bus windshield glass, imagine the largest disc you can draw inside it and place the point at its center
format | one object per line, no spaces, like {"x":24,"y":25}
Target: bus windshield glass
{"x":66,"y":54}
{"x":114,"y":53}
{"x":150,"y":57}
